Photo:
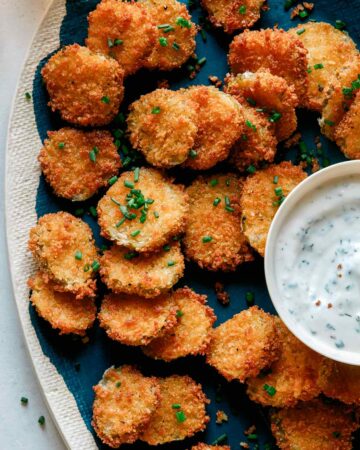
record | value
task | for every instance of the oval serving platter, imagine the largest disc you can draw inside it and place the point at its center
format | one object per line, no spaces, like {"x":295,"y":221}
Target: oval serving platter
{"x":68,"y":368}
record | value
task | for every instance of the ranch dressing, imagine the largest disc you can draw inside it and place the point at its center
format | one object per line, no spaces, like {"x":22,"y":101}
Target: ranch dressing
{"x":317,"y":261}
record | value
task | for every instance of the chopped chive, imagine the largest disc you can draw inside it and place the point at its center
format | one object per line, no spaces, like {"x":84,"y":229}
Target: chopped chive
{"x":103,"y":247}
{"x":244,"y":137}
{"x":220,"y":440}
{"x":269,"y":389}
{"x":86,"y":267}
{"x":135,"y":233}
{"x":207,"y":239}
{"x":303,"y":147}
{"x":95,"y":266}
{"x":329,"y":122}
{"x":110,"y":43}
{"x":203,"y":35}
{"x":24,"y":400}
{"x":166,"y":28}
{"x":303,"y":14}
{"x":130,"y":255}
{"x":275,"y":117}
{"x":27,"y":95}
{"x":156,"y":215}
{"x":118,"y":41}
{"x":242,"y":9}
{"x":118,"y":133}
{"x":105,"y":99}
{"x":92,"y":156}
{"x":136,"y":174}
{"x":118,"y":224}
{"x":250,"y":125}
{"x":301,"y":31}
{"x":166,"y":248}
{"x":112,"y":180}
{"x":276,"y":179}
{"x":183,"y":22}
{"x":250,"y":298}
{"x":308,"y":70}
{"x":78,"y":255}
{"x":127,"y":161}
{"x":227,"y":182}
{"x":202,"y":61}
{"x":171,"y":263}
{"x":252,"y":437}
{"x":251,"y":101}
{"x":129,"y":184}
{"x":156,"y":110}
{"x":288,"y":4}
{"x":180,"y":416}
{"x":336,"y":434}
{"x":217,"y":201}
{"x":120,"y":118}
{"x":340,"y":24}
{"x":61,"y":145}
{"x":214,"y":182}
{"x":162,"y":26}
{"x":118,"y":384}
{"x":163,"y":41}
{"x":229,"y":209}
{"x":179,"y":313}
{"x":192,"y":153}
{"x":176,"y":406}
{"x":278,"y":191}
{"x":251,"y":169}
{"x":92,"y":211}
{"x":318,"y":66}
{"x":41,"y":420}
{"x":227,"y":201}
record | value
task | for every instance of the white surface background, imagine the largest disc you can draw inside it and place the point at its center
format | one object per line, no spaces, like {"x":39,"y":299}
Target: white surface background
{"x":19,"y":429}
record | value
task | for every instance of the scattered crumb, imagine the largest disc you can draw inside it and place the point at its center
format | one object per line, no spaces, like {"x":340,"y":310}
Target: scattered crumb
{"x":222,"y":296}
{"x":163,"y":84}
{"x":329,"y":305}
{"x":308,"y":6}
{"x":244,"y":445}
{"x":303,"y":164}
{"x":301,"y":7}
{"x":250,"y":430}
{"x":215,"y":81}
{"x":221,"y":417}
{"x":85,"y":339}
{"x":265,"y":7}
{"x":315,"y":166}
{"x":318,"y":303}
{"x":293,"y":140}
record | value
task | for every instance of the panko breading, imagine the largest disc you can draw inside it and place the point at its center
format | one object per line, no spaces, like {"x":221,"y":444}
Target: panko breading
{"x":261,"y":198}
{"x":124,"y":403}
{"x":244,"y":345}
{"x":269,"y":93}
{"x":175,"y":37}
{"x":143,"y":215}
{"x":145,"y":275}
{"x":78,"y":163}
{"x":122,"y":30}
{"x":347,"y":133}
{"x":296,"y":375}
{"x":202,"y":446}
{"x":181,"y":412}
{"x":162,"y":126}
{"x":343,"y":87}
{"x":273,"y":49}
{"x":343,"y":383}
{"x":64,"y":247}
{"x":134,"y":320}
{"x":61,"y":309}
{"x":191,"y":335}
{"x":86,"y":88}
{"x":233,"y":15}
{"x":220,"y":123}
{"x":213,"y":236}
{"x":328,"y":50}
{"x":314,"y":425}
{"x":257,"y":144}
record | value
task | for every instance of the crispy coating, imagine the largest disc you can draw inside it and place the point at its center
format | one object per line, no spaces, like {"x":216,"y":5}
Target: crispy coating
{"x":213,"y":236}
{"x":203,"y":446}
{"x":343,"y":383}
{"x":296,"y":375}
{"x":162,"y":126}
{"x":86,"y":88}
{"x":220,"y":123}
{"x":191,"y":335}
{"x":61,"y":309}
{"x":167,"y":422}
{"x":233,"y":15}
{"x":174,"y":44}
{"x":259,"y":201}
{"x":134,"y":320}
{"x":54,"y":242}
{"x":314,"y":425}
{"x":329,"y":47}
{"x":165,"y":216}
{"x":347,"y":133}
{"x":270,"y":93}
{"x":122,"y":30}
{"x":124,"y":403}
{"x":273,"y":49}
{"x":258,"y":142}
{"x":146,"y":275}
{"x":66,"y":164}
{"x":244,"y":345}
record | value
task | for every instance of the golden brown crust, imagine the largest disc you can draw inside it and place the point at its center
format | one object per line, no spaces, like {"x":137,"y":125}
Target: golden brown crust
{"x":244,"y":345}
{"x":145,"y":275}
{"x":343,"y":383}
{"x":213,"y":236}
{"x":124,"y":403}
{"x":85,"y":87}
{"x":165,"y":217}
{"x":122,"y":30}
{"x":233,"y":15}
{"x":134,"y":320}
{"x":54,"y":242}
{"x":164,"y":425}
{"x":61,"y":309}
{"x":162,"y":126}
{"x":329,"y":47}
{"x":273,"y":49}
{"x":219,"y":123}
{"x":314,"y":425}
{"x":296,"y":375}
{"x":347,"y":133}
{"x":66,"y":164}
{"x":259,"y":201}
{"x":203,"y":446}
{"x":191,"y":334}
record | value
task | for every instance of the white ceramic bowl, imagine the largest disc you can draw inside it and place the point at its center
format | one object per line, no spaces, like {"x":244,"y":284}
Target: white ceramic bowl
{"x":288,"y":207}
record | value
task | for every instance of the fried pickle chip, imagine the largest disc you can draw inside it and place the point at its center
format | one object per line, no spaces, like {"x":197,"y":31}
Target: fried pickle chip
{"x":273,"y":49}
{"x":269,"y":94}
{"x":175,"y":38}
{"x":347,"y":133}
{"x":124,"y":403}
{"x":143,"y":215}
{"x":296,"y":375}
{"x":61,"y":309}
{"x":203,"y":446}
{"x":191,"y":335}
{"x":162,"y":126}
{"x":180,"y":414}
{"x":314,"y":425}
{"x":343,"y":383}
{"x":78,"y":163}
{"x":134,"y":320}
{"x":64,"y":247}
{"x":262,"y":194}
{"x":244,"y":345}
{"x":86,"y":88}
{"x":122,"y":30}
{"x":328,"y":50}
{"x":233,"y":15}
{"x":145,"y":275}
{"x":213,"y":236}
{"x":219,"y":122}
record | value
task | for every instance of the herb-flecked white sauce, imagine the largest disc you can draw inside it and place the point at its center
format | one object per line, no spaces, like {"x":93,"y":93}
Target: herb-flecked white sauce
{"x":318,"y":264}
